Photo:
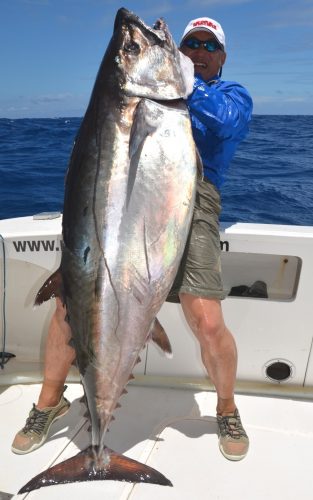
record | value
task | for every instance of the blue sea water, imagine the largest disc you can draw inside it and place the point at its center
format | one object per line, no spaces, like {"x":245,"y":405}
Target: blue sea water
{"x":270,"y":179}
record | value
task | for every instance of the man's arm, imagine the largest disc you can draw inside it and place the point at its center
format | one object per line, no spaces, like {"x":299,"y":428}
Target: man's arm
{"x":225,"y":107}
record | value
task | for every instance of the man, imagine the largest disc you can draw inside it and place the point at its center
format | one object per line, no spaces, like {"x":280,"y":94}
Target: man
{"x":220,"y":112}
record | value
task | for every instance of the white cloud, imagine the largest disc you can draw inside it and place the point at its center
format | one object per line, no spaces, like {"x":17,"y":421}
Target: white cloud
{"x":158,"y":10}
{"x":220,"y":3}
{"x":287,"y":106}
{"x":51,"y":98}
{"x":44,"y":106}
{"x":298,"y":14}
{"x":37,"y":2}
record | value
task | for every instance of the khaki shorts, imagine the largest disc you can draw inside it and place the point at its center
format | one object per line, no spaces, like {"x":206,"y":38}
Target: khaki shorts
{"x":200,"y":268}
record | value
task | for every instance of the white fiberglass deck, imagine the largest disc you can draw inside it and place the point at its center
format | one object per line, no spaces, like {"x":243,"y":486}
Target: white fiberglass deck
{"x":175,"y":431}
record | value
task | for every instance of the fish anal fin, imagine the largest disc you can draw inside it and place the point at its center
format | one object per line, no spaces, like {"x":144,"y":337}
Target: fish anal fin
{"x":159,"y":337}
{"x":52,"y":287}
{"x":91,"y":465}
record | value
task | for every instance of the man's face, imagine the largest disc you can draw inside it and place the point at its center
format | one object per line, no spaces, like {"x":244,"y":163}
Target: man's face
{"x":207,"y":64}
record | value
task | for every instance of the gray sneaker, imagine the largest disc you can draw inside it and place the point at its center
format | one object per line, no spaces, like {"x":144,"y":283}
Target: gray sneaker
{"x":37,"y":426}
{"x":233,"y":439}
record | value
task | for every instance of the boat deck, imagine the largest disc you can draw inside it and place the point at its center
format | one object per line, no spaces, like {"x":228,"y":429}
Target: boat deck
{"x":175,"y":431}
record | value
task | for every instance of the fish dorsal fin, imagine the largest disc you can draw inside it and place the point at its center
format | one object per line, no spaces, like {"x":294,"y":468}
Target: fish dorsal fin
{"x":158,"y":336}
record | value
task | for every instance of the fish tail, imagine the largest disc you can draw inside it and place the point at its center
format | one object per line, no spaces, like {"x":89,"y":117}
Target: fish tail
{"x":89,"y":465}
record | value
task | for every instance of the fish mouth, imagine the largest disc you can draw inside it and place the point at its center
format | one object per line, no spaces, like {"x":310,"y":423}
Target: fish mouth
{"x":159,"y":32}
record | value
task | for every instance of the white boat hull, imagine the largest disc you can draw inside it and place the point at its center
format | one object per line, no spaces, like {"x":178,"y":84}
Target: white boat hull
{"x":273,"y":335}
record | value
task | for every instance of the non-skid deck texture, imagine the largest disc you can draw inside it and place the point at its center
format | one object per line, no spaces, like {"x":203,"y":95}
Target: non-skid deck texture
{"x":174,"y":431}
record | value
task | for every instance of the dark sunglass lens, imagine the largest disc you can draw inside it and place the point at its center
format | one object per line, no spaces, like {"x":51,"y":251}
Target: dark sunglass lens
{"x":211,"y":45}
{"x":192,"y":43}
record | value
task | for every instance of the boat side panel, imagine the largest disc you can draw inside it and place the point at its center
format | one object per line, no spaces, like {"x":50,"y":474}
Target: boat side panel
{"x":266,"y":329}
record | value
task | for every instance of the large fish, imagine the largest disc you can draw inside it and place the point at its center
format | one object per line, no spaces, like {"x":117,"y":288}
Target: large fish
{"x":128,"y":205}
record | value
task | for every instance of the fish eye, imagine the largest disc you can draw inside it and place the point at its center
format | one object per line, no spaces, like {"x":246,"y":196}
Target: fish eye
{"x":132,"y":47}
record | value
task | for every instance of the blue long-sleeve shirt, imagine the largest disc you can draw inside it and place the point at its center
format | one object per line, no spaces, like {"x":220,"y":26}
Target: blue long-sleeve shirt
{"x":220,"y":113}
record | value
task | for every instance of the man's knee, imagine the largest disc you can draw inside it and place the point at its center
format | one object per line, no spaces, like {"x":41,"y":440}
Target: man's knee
{"x":59,"y":329}
{"x":204,"y":317}
{"x":210,"y":329}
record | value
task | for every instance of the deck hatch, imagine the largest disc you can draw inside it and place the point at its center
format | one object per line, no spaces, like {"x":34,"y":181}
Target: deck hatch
{"x":278,"y":274}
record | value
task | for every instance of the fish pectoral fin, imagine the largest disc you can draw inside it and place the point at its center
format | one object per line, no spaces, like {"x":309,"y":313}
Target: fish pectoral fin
{"x":158,"y":335}
{"x":91,"y":465}
{"x":52,"y":287}
{"x":143,"y":126}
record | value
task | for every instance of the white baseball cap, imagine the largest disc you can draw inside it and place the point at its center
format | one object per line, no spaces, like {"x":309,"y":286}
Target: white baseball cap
{"x":205,"y":24}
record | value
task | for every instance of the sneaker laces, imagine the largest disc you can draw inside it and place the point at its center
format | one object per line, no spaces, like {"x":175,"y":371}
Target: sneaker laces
{"x":230,"y":425}
{"x":36,"y":421}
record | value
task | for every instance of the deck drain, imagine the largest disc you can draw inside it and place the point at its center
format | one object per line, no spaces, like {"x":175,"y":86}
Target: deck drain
{"x":278,"y":370}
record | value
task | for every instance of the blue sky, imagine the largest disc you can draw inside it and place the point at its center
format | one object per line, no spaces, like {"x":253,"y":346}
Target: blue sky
{"x":51,"y":50}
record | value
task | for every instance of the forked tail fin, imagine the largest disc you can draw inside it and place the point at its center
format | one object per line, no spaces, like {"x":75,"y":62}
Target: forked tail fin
{"x":89,"y":465}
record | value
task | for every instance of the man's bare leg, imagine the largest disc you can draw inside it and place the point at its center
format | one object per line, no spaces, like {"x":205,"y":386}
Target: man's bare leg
{"x":59,"y":356}
{"x":51,"y":403}
{"x":218,"y":348}
{"x":219,"y":356}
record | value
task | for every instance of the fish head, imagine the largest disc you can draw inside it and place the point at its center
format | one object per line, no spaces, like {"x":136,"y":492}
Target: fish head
{"x":148,"y":60}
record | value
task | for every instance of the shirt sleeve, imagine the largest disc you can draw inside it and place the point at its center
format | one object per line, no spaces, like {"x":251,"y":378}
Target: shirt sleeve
{"x":223,"y":107}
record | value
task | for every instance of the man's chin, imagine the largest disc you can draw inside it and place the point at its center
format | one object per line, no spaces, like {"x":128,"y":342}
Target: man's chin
{"x":201,"y":74}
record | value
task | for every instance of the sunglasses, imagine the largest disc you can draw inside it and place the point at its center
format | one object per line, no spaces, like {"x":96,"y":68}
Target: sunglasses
{"x":209,"y":45}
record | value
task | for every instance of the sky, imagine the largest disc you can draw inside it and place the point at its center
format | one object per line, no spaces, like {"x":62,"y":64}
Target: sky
{"x":51,"y":50}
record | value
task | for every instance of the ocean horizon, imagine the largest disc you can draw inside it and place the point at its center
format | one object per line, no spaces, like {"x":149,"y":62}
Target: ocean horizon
{"x":270,"y":180}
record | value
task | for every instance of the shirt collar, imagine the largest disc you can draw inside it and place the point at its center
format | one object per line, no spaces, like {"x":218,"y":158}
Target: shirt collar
{"x":212,"y":80}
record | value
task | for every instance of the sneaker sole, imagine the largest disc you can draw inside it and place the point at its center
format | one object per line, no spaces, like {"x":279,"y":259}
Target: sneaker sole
{"x":44,"y":438}
{"x":233,"y":458}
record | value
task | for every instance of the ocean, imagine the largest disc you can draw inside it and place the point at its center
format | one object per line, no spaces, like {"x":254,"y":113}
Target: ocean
{"x":270,"y":179}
